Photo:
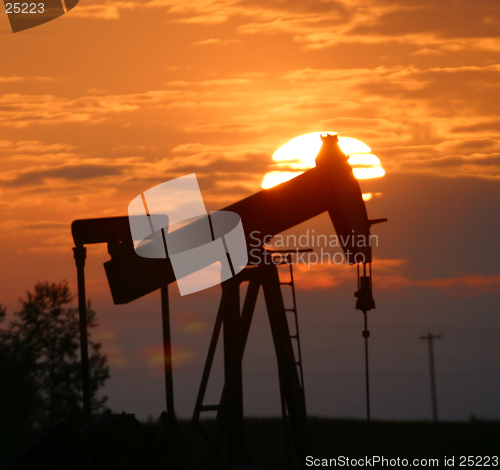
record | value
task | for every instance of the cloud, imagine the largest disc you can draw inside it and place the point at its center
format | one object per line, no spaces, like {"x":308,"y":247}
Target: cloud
{"x":46,"y":225}
{"x":470,"y":285}
{"x":21,"y":110}
{"x":68,"y":172}
{"x":391,"y":276}
{"x":456,"y":161}
{"x":258,"y":111}
{"x":26,"y":79}
{"x":16,"y":153}
{"x":208,"y":42}
{"x":102,"y":12}
{"x":433,"y":83}
{"x":477,"y":145}
{"x":214,"y":129}
{"x":426,"y":51}
{"x":466,"y":285}
{"x":478,"y":127}
{"x":444,"y":19}
{"x":427,"y":25}
{"x":448,"y":25}
{"x":154,"y":356}
{"x":374,"y":105}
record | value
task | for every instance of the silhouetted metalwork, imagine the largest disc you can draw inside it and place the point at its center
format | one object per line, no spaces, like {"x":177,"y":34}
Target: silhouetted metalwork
{"x":329,"y":187}
{"x":430,"y":341}
{"x":236,"y":326}
{"x":80,"y":254}
{"x":364,"y":303}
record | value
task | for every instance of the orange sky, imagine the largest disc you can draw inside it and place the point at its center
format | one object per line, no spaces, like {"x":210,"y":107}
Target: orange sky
{"x":118,"y":96}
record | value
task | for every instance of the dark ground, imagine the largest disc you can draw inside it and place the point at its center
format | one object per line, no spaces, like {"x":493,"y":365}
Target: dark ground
{"x":150,"y":443}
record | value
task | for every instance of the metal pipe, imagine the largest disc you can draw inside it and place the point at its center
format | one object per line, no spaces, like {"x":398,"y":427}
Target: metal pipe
{"x":80,"y":254}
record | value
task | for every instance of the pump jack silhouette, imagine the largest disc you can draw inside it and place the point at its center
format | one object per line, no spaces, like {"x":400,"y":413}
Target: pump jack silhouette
{"x":329,"y":187}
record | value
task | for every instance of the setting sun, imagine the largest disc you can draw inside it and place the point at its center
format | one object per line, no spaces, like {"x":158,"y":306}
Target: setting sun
{"x":299,"y":154}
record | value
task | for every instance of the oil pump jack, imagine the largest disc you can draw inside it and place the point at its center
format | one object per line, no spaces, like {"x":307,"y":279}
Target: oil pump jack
{"x":329,"y":187}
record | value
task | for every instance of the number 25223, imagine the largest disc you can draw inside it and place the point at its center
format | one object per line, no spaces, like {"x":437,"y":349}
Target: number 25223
{"x":24,"y":8}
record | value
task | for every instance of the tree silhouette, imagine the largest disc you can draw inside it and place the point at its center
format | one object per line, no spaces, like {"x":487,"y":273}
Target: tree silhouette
{"x":17,"y":386}
{"x":46,"y":331}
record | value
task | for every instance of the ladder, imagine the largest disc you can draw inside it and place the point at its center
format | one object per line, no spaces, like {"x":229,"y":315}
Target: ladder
{"x":293,"y":309}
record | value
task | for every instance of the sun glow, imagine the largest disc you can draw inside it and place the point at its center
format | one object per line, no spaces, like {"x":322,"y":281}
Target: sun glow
{"x":299,"y":154}
{"x":277,"y":177}
{"x":365,"y":165}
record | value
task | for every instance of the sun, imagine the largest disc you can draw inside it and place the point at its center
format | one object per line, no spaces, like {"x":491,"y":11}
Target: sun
{"x":299,"y":154}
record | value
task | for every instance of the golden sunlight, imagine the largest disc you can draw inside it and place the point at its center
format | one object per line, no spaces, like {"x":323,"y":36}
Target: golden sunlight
{"x":365,"y":165}
{"x":274,"y":178}
{"x":299,"y":154}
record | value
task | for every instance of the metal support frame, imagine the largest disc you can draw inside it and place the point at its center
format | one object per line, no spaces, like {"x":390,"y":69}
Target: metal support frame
{"x":287,"y":369}
{"x":167,"y":350}
{"x":229,"y":420}
{"x":80,"y":254}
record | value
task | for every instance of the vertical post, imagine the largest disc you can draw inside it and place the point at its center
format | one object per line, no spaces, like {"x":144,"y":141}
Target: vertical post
{"x":286,"y":426}
{"x":233,"y":371}
{"x":232,"y":388}
{"x":80,"y":254}
{"x":173,"y":433}
{"x":366,"y":335}
{"x":430,"y":339}
{"x":167,"y":345}
{"x":433,"y":380}
{"x":167,"y":350}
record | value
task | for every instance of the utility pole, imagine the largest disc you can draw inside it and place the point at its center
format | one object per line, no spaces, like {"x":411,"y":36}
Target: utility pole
{"x":430,"y":339}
